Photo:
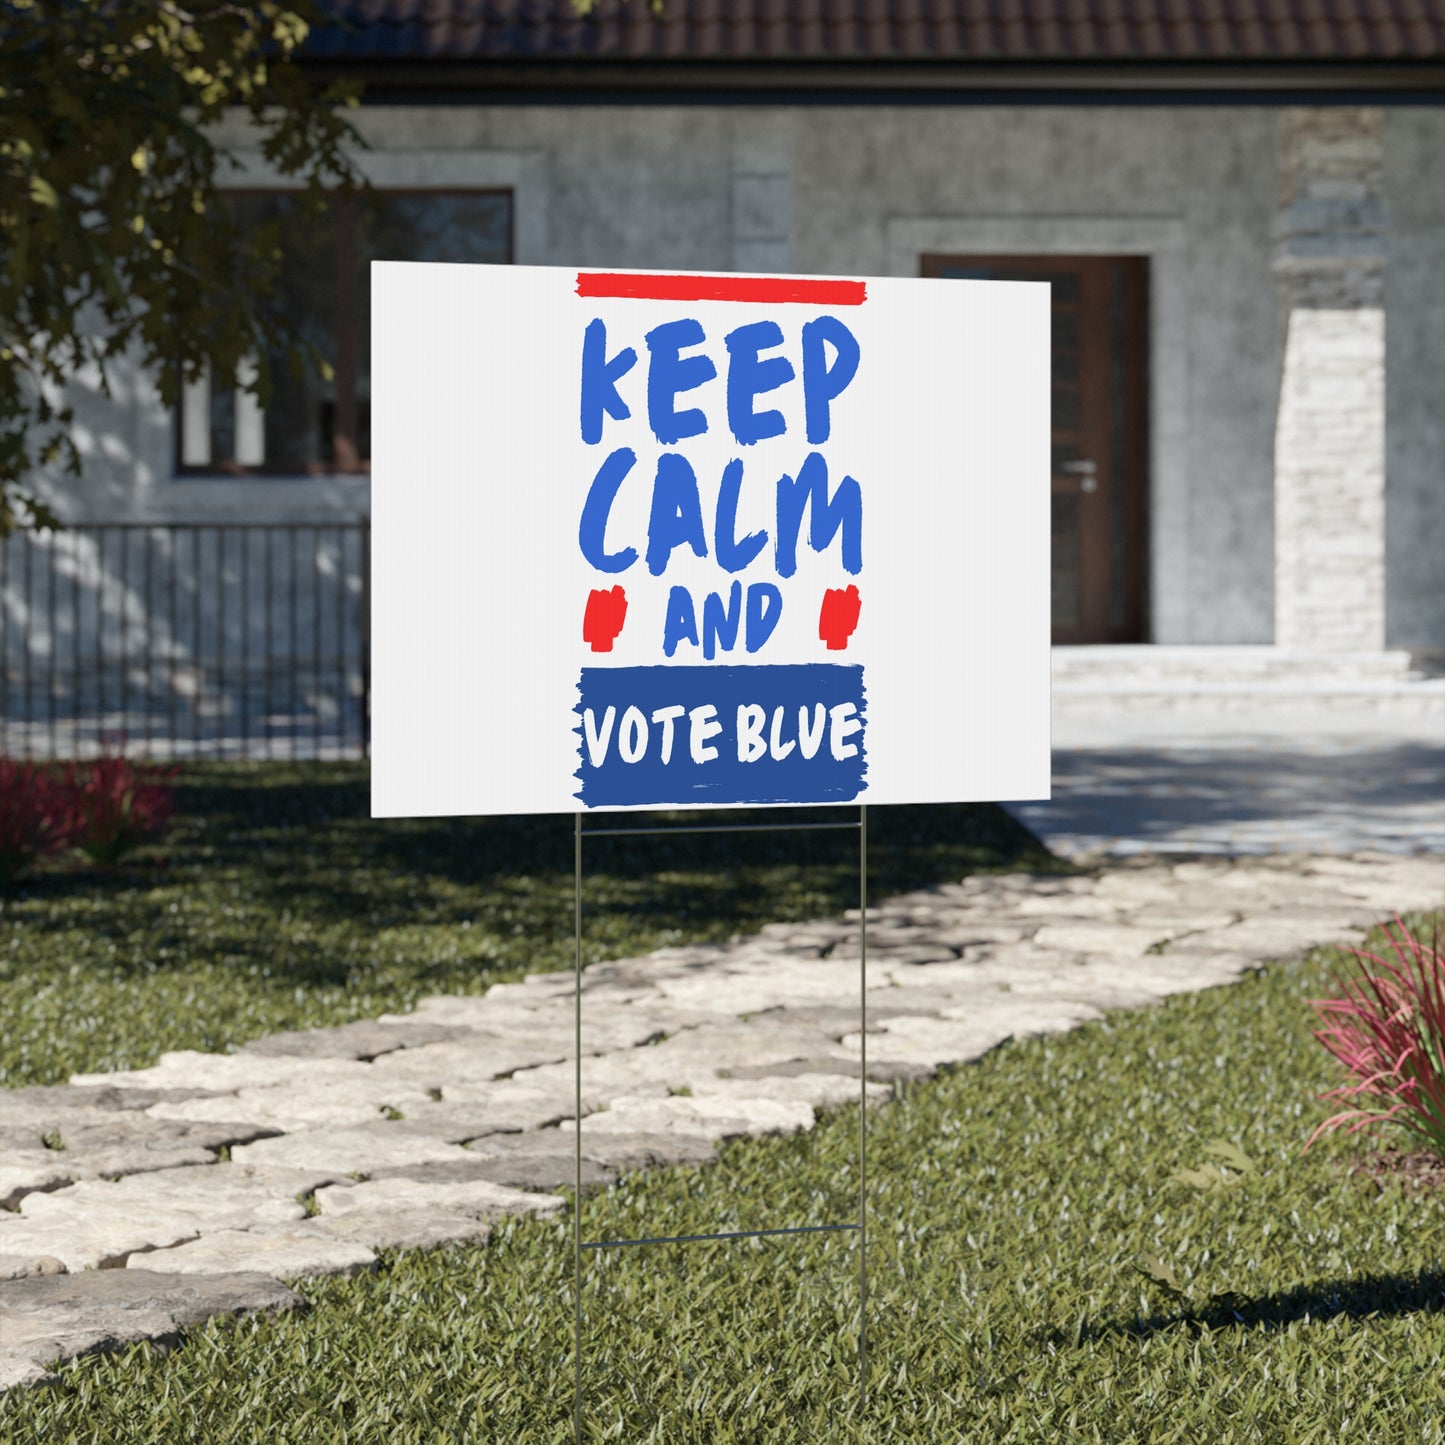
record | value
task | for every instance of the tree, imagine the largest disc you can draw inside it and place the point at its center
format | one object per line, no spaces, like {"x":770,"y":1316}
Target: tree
{"x":113,"y":238}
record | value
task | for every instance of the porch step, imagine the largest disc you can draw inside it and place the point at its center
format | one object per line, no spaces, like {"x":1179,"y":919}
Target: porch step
{"x":1251,"y":665}
{"x":1243,"y":680}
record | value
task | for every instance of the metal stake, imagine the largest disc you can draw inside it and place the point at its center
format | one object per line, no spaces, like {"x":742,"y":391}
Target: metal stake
{"x":577,"y":1123}
{"x":862,"y":1224}
{"x":862,"y":1112}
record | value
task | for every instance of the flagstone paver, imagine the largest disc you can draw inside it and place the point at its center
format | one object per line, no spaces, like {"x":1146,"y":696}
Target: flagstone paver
{"x":26,"y":1266}
{"x":364,"y":1040}
{"x":30,"y":1172}
{"x":49,"y":1317}
{"x":202,"y":1073}
{"x":751,"y":1115}
{"x":467,"y":1111}
{"x":475,"y":1198}
{"x":410,"y":1131}
{"x":390,"y":1229}
{"x":543,"y":1172}
{"x":297,"y":1252}
{"x":354,"y":1150}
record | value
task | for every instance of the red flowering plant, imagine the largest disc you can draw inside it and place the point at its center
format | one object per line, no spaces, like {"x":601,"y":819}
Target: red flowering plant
{"x":116,"y":805}
{"x":1388,"y":1030}
{"x":34,"y":816}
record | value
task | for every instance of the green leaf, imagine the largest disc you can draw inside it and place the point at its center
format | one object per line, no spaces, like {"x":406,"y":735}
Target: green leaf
{"x":43,"y":193}
{"x":1233,"y":1164}
{"x":1230,"y":1154}
{"x":1160,"y":1271}
{"x":1209,"y":1177}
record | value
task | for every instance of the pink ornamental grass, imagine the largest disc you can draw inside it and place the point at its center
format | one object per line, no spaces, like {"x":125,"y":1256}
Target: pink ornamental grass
{"x":115,"y":806}
{"x":1388,"y":1030}
{"x":35,"y":816}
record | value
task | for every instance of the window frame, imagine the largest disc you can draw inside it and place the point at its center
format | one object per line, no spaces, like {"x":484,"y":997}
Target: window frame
{"x":347,"y":343}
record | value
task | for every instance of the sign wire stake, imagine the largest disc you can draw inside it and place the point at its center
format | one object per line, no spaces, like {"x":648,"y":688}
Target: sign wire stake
{"x":862,"y":1113}
{"x":862,"y":1225}
{"x":577,"y":1121}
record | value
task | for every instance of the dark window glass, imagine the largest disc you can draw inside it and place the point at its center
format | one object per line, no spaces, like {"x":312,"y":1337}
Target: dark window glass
{"x":315,"y":426}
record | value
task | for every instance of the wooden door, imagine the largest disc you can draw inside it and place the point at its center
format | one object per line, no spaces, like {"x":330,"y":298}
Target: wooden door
{"x":1099,"y":450}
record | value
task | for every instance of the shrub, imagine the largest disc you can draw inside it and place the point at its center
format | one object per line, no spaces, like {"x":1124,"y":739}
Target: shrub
{"x":34,"y":816}
{"x":1388,"y":1030}
{"x":115,"y":805}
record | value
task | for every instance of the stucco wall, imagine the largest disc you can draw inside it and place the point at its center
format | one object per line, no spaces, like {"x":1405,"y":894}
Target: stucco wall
{"x":1415,"y":380}
{"x":865,"y":190}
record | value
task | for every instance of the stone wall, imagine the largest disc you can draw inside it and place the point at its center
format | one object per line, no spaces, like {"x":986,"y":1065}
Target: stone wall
{"x":865,"y":190}
{"x":1329,"y":482}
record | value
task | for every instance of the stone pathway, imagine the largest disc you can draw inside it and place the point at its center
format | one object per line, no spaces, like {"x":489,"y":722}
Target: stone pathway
{"x":124,"y":1219}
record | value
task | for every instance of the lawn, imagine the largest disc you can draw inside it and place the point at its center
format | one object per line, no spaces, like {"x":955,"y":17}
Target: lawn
{"x":1011,"y":1203}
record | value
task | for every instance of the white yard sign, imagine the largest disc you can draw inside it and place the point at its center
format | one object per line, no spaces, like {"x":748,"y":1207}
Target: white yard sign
{"x":662,"y":540}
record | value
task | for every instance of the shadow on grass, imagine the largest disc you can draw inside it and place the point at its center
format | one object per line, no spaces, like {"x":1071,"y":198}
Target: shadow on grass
{"x":1361,"y":1298}
{"x":339,"y":856}
{"x":262,"y":856}
{"x":738,"y":880}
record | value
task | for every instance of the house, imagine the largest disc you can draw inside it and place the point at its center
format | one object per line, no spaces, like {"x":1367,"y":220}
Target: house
{"x":1239,"y":204}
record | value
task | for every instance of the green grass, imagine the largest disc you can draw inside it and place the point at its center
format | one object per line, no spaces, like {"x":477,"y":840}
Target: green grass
{"x":276,"y":903}
{"x":1009,"y":1202}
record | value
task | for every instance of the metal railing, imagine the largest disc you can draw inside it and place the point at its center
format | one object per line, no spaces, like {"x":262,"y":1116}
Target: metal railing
{"x":186,"y":640}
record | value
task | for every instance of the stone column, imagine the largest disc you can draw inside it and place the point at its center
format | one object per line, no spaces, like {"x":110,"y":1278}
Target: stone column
{"x":1329,"y":461}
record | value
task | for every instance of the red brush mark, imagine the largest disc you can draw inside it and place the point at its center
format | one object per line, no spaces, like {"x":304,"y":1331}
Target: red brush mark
{"x":767,"y":289}
{"x":603,"y":619}
{"x":839,"y":616}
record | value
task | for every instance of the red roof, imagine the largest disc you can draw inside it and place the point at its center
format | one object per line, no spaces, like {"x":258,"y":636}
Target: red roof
{"x":1197,"y":32}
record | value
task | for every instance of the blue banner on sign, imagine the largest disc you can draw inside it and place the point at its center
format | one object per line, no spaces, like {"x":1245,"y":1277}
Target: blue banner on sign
{"x":661,"y":735}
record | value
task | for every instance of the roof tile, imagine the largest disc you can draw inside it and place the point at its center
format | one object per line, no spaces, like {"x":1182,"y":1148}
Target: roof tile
{"x":1039,"y":31}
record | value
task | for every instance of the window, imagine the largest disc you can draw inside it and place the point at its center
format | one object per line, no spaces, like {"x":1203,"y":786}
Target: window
{"x":315,"y":427}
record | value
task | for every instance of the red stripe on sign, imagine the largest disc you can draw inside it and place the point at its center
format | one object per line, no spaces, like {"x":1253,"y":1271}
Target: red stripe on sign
{"x":765,"y":289}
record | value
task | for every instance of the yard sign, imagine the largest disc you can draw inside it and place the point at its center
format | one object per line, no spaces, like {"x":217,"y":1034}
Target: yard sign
{"x":656,"y":540}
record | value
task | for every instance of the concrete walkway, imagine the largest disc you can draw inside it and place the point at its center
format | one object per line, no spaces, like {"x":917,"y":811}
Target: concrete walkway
{"x":409,"y":1131}
{"x":1190,"y":781}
